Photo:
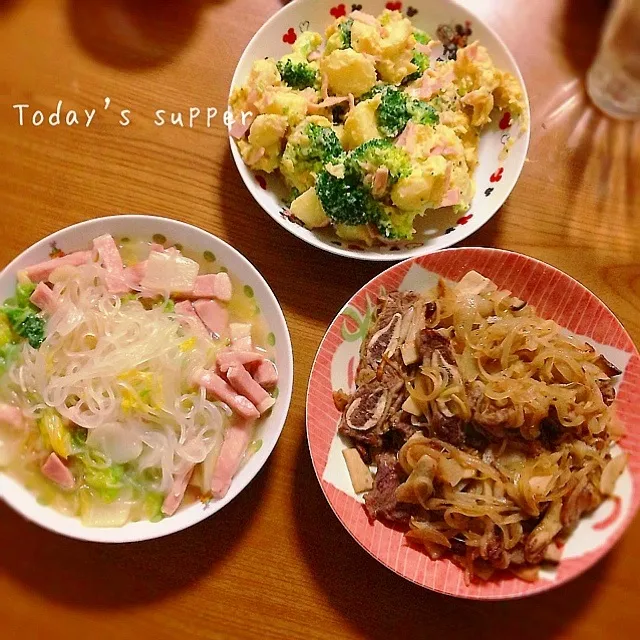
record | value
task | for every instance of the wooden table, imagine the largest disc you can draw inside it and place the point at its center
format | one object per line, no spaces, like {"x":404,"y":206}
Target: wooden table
{"x":276,"y":563}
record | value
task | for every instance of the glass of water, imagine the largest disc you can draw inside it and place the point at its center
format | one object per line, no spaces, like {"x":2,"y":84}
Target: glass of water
{"x":613,"y":82}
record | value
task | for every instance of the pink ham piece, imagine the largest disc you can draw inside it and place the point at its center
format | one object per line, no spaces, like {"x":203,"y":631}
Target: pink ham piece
{"x":266,"y":374}
{"x":213,"y":285}
{"x":214,"y":317}
{"x":325,"y":104}
{"x":239,"y":129}
{"x":255,"y":155}
{"x":226,"y":359}
{"x":11,"y":415}
{"x":55,"y":470}
{"x":450,"y":198}
{"x":44,"y":298}
{"x":41,"y":271}
{"x":112,"y":262}
{"x":235,"y":443}
{"x":186,"y":310}
{"x":134,"y":274}
{"x":313,"y":56}
{"x":427,"y":49}
{"x":380,"y":181}
{"x":225,"y":392}
{"x":154,"y":246}
{"x":174,"y":498}
{"x":407,"y":138}
{"x":243,"y":383}
{"x":442,"y":150}
{"x":240,"y":334}
{"x":324,"y":87}
{"x":432,"y":85}
{"x":365,"y":18}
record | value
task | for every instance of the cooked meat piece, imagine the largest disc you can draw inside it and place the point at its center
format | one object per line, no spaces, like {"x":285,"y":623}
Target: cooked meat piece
{"x":607,"y":390}
{"x":449,"y":430}
{"x":431,"y":341}
{"x":388,"y":320}
{"x":583,"y":499}
{"x":381,"y":501}
{"x":484,"y":414}
{"x":365,"y":416}
{"x":608,"y":367}
{"x":551,"y":432}
{"x":400,"y":429}
{"x":341,"y":399}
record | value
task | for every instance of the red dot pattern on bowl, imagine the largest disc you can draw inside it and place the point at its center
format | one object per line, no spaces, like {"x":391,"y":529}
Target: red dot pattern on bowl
{"x":556,"y":296}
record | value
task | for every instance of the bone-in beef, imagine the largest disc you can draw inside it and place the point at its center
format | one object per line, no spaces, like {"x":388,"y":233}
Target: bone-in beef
{"x":381,"y":501}
{"x":431,"y":341}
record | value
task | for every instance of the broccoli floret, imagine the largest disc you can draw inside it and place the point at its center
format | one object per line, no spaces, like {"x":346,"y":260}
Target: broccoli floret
{"x":345,"y":32}
{"x":421,"y":36}
{"x":392,"y":113}
{"x":323,"y":146}
{"x":297,"y":75}
{"x":347,"y":200}
{"x":397,"y":108}
{"x":380,"y":153}
{"x":23,"y":316}
{"x":422,"y":113}
{"x":32,"y":328}
{"x":396,"y":225}
{"x":422,"y":62}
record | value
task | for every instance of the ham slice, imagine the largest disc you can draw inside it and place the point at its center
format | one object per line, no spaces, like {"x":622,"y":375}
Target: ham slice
{"x":325,"y":104}
{"x":175,"y":496}
{"x":134,"y":274}
{"x":112,"y":262}
{"x":243,"y":383}
{"x":214,"y":317}
{"x":407,"y":138}
{"x":213,"y":285}
{"x":266,"y":374}
{"x":442,"y":150}
{"x":380,"y":181}
{"x":451,"y":197}
{"x":428,"y":49}
{"x":365,"y":18}
{"x":324,"y":87}
{"x":225,"y":392}
{"x":41,"y":271}
{"x":238,"y":129}
{"x":432,"y":84}
{"x":192,"y":320}
{"x":57,"y":472}
{"x":44,"y":298}
{"x":11,"y":415}
{"x":226,"y":359}
{"x":235,"y":443}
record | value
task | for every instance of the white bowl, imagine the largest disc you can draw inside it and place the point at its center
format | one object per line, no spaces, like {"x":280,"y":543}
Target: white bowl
{"x":79,"y":236}
{"x":435,"y":230}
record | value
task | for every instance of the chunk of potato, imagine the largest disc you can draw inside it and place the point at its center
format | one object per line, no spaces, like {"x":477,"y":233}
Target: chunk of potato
{"x":308,"y":209}
{"x":348,"y":71}
{"x":362,"y":123}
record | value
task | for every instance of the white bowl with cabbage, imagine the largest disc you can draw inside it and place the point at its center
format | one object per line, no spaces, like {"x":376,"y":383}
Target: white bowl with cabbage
{"x":145,"y":377}
{"x":378,"y":131}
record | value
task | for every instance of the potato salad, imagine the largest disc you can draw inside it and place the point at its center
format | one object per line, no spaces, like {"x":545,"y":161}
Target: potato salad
{"x":373,"y":124}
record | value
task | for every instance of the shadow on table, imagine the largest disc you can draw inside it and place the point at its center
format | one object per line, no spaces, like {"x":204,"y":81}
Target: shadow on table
{"x":7,"y":5}
{"x":96,"y":575}
{"x":295,"y":270}
{"x":134,"y":34}
{"x":582,"y":23}
{"x":379,"y":603}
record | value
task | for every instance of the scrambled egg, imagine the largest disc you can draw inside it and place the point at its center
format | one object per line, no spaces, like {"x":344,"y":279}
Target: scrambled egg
{"x":316,"y":111}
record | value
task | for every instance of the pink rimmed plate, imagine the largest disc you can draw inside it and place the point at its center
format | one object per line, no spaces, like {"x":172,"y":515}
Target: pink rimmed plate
{"x":556,"y":296}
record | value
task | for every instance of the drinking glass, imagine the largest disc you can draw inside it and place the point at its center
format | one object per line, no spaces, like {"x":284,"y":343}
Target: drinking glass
{"x":613,"y":81}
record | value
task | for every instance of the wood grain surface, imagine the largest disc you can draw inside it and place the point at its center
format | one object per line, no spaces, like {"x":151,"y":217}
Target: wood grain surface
{"x":276,"y":563}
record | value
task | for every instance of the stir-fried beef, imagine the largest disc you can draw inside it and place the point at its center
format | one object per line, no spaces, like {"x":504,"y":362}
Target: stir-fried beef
{"x":431,"y":341}
{"x":381,"y":501}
